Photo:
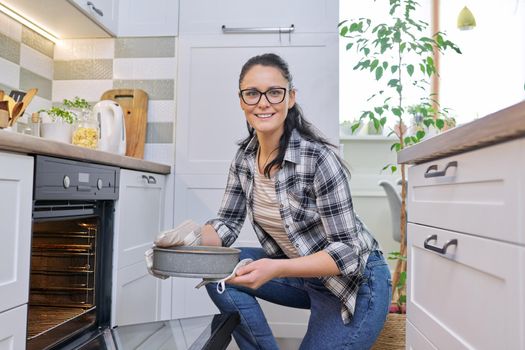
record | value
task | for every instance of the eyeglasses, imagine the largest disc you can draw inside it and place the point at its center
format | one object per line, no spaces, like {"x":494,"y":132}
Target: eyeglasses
{"x":252,"y":96}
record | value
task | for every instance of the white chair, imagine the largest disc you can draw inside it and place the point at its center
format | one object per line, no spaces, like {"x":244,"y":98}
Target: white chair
{"x":394,"y":202}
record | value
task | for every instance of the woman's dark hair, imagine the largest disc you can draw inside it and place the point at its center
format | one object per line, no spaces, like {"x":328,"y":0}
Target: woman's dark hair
{"x":294,"y":119}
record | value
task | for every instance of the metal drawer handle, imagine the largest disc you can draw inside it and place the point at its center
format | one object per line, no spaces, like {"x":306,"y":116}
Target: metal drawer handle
{"x":443,"y":172}
{"x":152,"y":180}
{"x":442,"y":250}
{"x":253,"y":30}
{"x":98,"y":11}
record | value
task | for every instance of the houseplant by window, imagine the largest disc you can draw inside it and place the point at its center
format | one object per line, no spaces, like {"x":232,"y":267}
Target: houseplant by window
{"x":399,"y":54}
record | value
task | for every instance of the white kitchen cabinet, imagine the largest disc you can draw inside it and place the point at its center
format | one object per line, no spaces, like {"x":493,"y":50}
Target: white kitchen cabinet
{"x":470,"y":295}
{"x":140,"y":18}
{"x":13,"y":328}
{"x":138,"y":219}
{"x":16,"y":188}
{"x":103,"y":12}
{"x":209,"y":118}
{"x":306,"y":16}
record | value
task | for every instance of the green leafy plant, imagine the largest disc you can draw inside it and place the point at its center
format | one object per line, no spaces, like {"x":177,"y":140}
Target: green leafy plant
{"x":60,"y":113}
{"x":400,"y":56}
{"x":78,"y":102}
{"x":399,"y":287}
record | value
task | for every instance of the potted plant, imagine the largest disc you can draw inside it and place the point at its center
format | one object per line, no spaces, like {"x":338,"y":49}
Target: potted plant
{"x":400,"y":56}
{"x":58,"y":122}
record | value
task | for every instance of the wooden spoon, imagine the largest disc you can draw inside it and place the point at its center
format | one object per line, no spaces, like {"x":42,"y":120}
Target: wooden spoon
{"x":16,"y":112}
{"x":28,"y":97}
{"x":10,"y":103}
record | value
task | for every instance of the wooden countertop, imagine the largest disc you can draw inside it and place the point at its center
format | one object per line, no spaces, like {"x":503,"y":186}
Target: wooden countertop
{"x":14,"y":142}
{"x":497,"y":127}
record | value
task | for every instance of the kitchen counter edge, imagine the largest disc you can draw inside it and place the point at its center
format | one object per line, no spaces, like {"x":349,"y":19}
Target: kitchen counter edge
{"x":501,"y":126}
{"x":19,"y":143}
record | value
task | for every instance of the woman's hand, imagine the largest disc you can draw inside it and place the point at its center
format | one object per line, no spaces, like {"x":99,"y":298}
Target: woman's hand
{"x":257,"y":273}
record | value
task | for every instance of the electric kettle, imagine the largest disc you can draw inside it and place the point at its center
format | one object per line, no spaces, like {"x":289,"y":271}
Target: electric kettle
{"x":112,"y":127}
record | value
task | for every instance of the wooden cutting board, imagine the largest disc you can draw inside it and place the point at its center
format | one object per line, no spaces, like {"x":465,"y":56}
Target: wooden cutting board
{"x":134,"y":104}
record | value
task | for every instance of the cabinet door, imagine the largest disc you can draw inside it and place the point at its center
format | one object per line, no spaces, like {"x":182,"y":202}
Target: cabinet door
{"x":138,"y":296}
{"x":13,"y":328}
{"x":415,"y":340}
{"x":16,"y":188}
{"x":138,"y":215}
{"x":148,"y":18}
{"x":307,"y":16}
{"x":104,"y":12}
{"x":472,"y":297}
{"x":138,"y":219}
{"x":209,"y":118}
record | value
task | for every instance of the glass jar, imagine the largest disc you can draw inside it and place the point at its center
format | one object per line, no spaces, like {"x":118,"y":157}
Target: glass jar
{"x":86,"y":130}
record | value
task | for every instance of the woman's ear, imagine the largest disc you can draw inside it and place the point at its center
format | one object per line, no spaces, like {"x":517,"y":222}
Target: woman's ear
{"x":291,"y":98}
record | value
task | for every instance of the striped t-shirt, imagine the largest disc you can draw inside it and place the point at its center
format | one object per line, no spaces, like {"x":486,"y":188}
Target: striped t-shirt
{"x":266,"y":212}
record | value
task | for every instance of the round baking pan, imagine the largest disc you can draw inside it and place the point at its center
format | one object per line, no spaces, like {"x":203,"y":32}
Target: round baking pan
{"x":199,"y":261}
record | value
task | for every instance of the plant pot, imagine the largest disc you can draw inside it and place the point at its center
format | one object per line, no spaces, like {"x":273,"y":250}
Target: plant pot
{"x":61,"y":132}
{"x":393,"y":335}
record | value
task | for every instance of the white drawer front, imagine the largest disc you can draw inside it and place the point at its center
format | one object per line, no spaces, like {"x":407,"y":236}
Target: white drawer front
{"x":416,"y":340}
{"x":483,"y":195}
{"x":472,"y":297}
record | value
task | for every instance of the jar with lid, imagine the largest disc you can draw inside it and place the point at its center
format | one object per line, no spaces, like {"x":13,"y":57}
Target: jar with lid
{"x":87,"y":130}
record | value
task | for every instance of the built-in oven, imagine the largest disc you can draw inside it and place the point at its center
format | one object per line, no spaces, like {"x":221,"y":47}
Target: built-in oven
{"x":71,"y":250}
{"x":71,"y":264}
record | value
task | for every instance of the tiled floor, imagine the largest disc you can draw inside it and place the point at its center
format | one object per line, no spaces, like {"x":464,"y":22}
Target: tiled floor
{"x":284,"y":344}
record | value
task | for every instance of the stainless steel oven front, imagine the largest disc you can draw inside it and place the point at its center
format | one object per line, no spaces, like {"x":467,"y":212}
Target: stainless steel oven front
{"x":71,"y":250}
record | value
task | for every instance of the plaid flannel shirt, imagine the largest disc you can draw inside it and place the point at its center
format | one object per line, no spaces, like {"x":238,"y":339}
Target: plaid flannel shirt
{"x":315,"y":204}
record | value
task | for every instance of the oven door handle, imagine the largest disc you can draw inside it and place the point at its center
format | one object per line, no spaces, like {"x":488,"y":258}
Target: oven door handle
{"x":82,"y":188}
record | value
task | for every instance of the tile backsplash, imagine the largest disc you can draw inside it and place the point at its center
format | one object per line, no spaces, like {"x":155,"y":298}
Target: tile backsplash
{"x":89,"y":67}
{"x":26,"y":61}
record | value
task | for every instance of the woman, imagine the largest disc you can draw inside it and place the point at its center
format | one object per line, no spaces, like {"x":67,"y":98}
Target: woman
{"x":316,"y":253}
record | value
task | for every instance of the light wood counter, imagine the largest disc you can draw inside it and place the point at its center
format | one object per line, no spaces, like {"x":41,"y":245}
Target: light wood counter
{"x":498,"y":127}
{"x":19,"y":143}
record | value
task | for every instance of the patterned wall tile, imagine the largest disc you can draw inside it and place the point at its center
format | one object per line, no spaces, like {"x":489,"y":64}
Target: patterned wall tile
{"x":144,"y":68}
{"x":91,"y":69}
{"x":9,"y":49}
{"x":161,"y":111}
{"x":30,"y":80}
{"x":161,"y":153}
{"x":37,"y":42}
{"x":145,"y":47}
{"x":9,"y":73}
{"x":77,"y":49}
{"x":36,"y":62}
{"x":10,"y":27}
{"x":91,"y":90}
{"x":156,"y":89}
{"x":159,"y":133}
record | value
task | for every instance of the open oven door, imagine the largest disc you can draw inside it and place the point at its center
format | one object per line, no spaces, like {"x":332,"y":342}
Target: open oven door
{"x":207,"y":332}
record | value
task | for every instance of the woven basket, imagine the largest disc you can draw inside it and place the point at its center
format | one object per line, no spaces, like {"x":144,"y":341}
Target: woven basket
{"x":392,"y":337}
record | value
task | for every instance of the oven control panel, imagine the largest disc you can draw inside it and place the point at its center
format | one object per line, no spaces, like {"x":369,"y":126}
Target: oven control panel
{"x":57,"y":178}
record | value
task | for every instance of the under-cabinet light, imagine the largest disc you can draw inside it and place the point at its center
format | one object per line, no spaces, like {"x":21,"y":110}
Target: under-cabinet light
{"x":29,"y":23}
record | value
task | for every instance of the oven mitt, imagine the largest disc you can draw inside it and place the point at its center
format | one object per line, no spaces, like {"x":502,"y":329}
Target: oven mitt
{"x":148,"y":255}
{"x":221,"y":281}
{"x":186,"y":234}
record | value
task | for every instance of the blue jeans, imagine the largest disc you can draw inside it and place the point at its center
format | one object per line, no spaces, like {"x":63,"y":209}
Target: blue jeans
{"x":326,"y":329}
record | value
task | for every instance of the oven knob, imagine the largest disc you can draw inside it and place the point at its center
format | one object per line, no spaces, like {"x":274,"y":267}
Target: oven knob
{"x":66,"y":181}
{"x":99,"y":184}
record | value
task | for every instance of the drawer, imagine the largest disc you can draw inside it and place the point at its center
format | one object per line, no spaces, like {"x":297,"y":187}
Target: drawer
{"x":472,"y":296}
{"x":482,"y":195}
{"x":416,"y":340}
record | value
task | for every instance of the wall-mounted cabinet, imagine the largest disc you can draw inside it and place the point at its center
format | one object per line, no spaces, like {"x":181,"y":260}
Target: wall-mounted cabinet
{"x":77,"y":19}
